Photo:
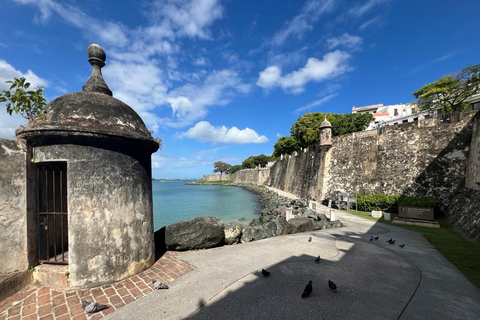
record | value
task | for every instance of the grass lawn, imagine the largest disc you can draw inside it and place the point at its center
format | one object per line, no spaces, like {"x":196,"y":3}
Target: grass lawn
{"x":463,"y":252}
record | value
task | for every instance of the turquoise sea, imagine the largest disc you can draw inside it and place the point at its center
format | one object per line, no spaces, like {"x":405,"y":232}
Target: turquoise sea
{"x":174,"y":201}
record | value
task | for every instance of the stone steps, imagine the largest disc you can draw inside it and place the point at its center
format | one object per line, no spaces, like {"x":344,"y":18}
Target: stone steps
{"x":13,"y":282}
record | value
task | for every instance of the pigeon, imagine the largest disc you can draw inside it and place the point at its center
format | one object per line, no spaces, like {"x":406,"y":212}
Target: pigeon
{"x":317,"y":259}
{"x":308,"y":289}
{"x":157,"y":285}
{"x":310,"y":239}
{"x":393,"y":242}
{"x":389,"y":241}
{"x":376,"y":238}
{"x":265,"y":273}
{"x":92,"y":307}
{"x":332,"y":285}
{"x":371,"y":239}
{"x":401,"y":245}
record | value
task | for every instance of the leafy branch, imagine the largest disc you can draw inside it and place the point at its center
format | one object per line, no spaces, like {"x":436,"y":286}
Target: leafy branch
{"x":31,"y":104}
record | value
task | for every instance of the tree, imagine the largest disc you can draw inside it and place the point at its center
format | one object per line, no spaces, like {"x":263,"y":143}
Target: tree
{"x":350,"y":122}
{"x":285,"y":145}
{"x":30,"y":104}
{"x":450,"y":92}
{"x":221,"y":167}
{"x":248,"y":163}
{"x":306,"y":131}
{"x":235,"y":168}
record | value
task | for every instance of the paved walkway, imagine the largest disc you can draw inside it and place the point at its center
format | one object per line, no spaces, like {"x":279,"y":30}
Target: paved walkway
{"x":375,"y":280}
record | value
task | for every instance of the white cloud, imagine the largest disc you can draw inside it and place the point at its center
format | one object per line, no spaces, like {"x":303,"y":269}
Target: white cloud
{"x":372,"y":22}
{"x":315,"y":103}
{"x":345,"y":40}
{"x":106,"y":32}
{"x":303,"y":22}
{"x":189,"y":18}
{"x":189,"y":102}
{"x":8,"y":123}
{"x":360,"y":10}
{"x":200,"y":61}
{"x":333,"y":64}
{"x":134,"y":71}
{"x":205,"y":132}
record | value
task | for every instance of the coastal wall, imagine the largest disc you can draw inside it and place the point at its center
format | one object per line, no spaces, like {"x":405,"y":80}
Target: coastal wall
{"x":259,"y":176}
{"x":463,"y":213}
{"x":216,"y":177}
{"x":13,"y":225}
{"x":472,"y":179}
{"x":420,"y":159}
{"x":300,"y":173}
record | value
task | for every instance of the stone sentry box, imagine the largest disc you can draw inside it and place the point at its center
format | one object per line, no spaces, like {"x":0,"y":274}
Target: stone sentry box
{"x":107,"y":151}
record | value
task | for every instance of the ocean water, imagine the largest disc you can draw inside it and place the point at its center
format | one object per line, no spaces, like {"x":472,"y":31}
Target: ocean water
{"x":174,"y":201}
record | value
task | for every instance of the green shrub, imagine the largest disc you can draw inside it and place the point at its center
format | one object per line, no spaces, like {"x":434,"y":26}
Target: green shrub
{"x":390,"y":203}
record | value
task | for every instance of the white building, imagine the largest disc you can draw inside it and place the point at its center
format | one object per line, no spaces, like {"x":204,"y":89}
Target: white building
{"x":390,"y":115}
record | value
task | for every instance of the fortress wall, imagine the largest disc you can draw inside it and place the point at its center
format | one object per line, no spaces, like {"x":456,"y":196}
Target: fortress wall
{"x":420,"y":159}
{"x":13,"y":224}
{"x":216,"y":177}
{"x":472,"y":179}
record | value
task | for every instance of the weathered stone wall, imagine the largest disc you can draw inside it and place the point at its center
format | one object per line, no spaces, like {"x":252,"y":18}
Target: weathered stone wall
{"x":257,"y":176}
{"x":472,"y":179}
{"x":420,"y":159}
{"x":110,"y":212}
{"x":300,"y":173}
{"x":13,"y":225}
{"x":463,"y":213}
{"x":216,"y":177}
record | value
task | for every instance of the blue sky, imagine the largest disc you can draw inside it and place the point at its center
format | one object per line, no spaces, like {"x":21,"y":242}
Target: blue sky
{"x":223,"y":80}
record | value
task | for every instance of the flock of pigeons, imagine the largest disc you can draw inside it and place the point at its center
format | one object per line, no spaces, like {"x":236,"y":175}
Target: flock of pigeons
{"x":309,"y":287}
{"x":391,"y":241}
{"x":92,"y":307}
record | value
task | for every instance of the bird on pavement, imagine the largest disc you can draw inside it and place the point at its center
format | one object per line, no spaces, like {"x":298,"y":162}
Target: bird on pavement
{"x":310,"y":239}
{"x":376,"y":238}
{"x":389,"y":241}
{"x":317,"y":259}
{"x":92,"y":307}
{"x":371,"y":239}
{"x":308,"y":289}
{"x":157,"y":285}
{"x":401,"y":245}
{"x":332,"y":285}
{"x":265,"y":273}
{"x":393,"y":242}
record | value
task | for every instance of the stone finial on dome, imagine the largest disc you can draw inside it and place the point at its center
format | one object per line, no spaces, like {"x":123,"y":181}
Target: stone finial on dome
{"x":325,"y":123}
{"x":96,"y":57}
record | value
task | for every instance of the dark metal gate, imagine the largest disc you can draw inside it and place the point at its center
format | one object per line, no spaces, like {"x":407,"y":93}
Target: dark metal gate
{"x":52,"y":213}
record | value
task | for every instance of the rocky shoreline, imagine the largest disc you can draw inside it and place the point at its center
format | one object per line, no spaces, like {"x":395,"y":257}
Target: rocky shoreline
{"x":208,"y":232}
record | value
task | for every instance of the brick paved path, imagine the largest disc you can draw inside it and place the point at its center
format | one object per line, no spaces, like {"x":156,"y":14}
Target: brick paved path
{"x":46,"y":303}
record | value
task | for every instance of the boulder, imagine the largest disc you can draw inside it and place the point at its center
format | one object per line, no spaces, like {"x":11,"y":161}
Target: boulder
{"x":197,"y":233}
{"x":233,"y":233}
{"x":301,"y":224}
{"x":280,"y":226}
{"x":256,"y":233}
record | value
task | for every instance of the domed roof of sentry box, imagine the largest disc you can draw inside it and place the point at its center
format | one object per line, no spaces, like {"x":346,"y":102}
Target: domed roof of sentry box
{"x":325,"y":123}
{"x":94,"y":112}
